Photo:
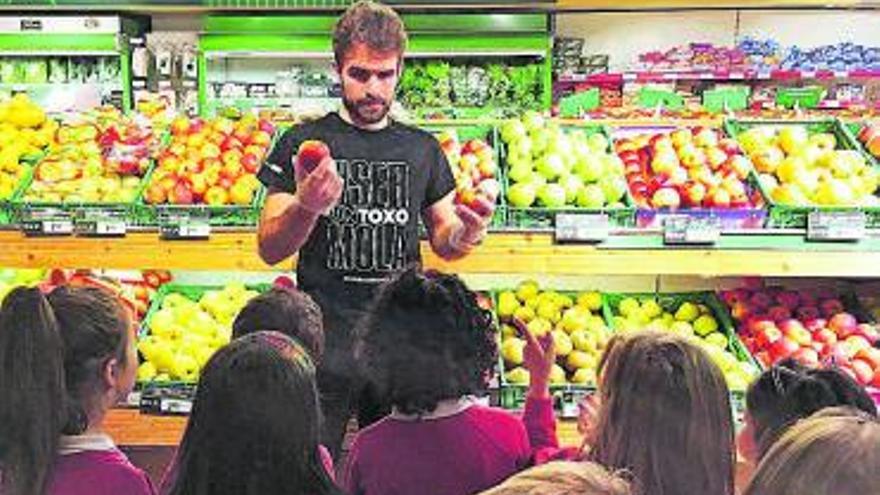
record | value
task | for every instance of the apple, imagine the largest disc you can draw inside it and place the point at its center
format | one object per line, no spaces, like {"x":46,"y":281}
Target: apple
{"x":863,"y":371}
{"x":783,"y":348}
{"x":825,"y":336}
{"x":815,"y":324}
{"x":180,"y":126}
{"x":779,"y":313}
{"x":767,"y":336}
{"x":719,"y":198}
{"x":216,"y":196}
{"x":311,"y":153}
{"x":181,"y":194}
{"x":843,"y":324}
{"x":806,"y":356}
{"x":867,"y":331}
{"x":241,"y":193}
{"x":666,"y":197}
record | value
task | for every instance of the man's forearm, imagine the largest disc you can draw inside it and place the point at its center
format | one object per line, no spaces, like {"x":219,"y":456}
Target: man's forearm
{"x":284,"y":228}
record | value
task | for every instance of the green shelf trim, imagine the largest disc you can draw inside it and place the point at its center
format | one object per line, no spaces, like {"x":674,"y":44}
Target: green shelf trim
{"x":287,"y":24}
{"x":265,"y":43}
{"x":757,"y":242}
{"x":442,"y":43}
{"x":47,"y":42}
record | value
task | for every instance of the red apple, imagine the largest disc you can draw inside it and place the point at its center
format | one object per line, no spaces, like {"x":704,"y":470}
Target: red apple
{"x":875,"y":382}
{"x":196,"y":126}
{"x":789,"y":299}
{"x":807,"y":357}
{"x":808,"y":313}
{"x":740,"y":311}
{"x":874,"y":146}
{"x":843,"y":324}
{"x":831,"y":307}
{"x":867,"y":133}
{"x":864,"y":372}
{"x":767,"y":336}
{"x":783,"y":348}
{"x":740,"y":166}
{"x":868,"y":331}
{"x":871,"y":356}
{"x":666,"y":197}
{"x":779,"y":313}
{"x":181,"y":194}
{"x":694,"y":193}
{"x":720,"y":198}
{"x":825,"y":336}
{"x":311,"y":153}
{"x":761,"y":301}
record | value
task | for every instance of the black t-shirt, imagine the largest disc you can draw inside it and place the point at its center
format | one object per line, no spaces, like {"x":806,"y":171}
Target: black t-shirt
{"x":391,"y":175}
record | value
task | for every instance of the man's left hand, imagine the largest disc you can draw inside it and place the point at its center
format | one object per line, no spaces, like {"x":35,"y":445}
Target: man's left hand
{"x":475,"y":218}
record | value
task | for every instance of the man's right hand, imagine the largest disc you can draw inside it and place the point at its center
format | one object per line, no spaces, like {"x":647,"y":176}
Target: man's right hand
{"x":320,"y":190}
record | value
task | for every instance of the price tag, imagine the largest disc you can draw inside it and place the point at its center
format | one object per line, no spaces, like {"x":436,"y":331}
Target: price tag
{"x":737,"y":75}
{"x":706,"y":76}
{"x":101,"y":226}
{"x":175,"y":406}
{"x":581,"y":227}
{"x":836,"y":226}
{"x":764,"y":74}
{"x":691,"y":231}
{"x":175,"y":399}
{"x":808,"y":74}
{"x":841,"y":74}
{"x":189,"y":225}
{"x":48,"y":222}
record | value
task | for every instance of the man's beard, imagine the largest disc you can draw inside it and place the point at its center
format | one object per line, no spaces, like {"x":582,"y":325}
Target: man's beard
{"x":361,"y":113}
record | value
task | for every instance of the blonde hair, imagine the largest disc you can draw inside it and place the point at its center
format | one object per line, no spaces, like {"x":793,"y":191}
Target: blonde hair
{"x":564,"y":478}
{"x":835,"y":451}
{"x":665,"y":417}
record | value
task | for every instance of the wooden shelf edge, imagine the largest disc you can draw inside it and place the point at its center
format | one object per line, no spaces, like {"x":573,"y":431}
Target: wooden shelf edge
{"x":500,"y":253}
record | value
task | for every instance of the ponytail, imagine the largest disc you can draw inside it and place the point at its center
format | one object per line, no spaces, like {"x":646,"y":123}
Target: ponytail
{"x":33,"y":409}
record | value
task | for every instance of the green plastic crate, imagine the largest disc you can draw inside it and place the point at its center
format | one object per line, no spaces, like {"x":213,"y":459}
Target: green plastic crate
{"x":7,"y":207}
{"x":671,"y":301}
{"x":191,"y":292}
{"x":542,"y":218}
{"x":513,"y":396}
{"x":726,"y":99}
{"x":807,"y":97}
{"x":795,"y":217}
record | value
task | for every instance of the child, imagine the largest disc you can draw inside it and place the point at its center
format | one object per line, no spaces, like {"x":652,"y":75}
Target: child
{"x":788,"y":392}
{"x":429,"y":346}
{"x":255,"y":424}
{"x":834,"y":452}
{"x":65,"y":359}
{"x":564,"y":478}
{"x":663,"y":414}
{"x":285,"y":310}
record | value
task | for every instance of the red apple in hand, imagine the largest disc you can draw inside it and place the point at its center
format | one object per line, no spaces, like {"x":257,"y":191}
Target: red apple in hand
{"x":311,"y":153}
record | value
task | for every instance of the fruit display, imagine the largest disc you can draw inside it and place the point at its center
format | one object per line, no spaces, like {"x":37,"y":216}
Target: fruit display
{"x":798,"y":167}
{"x":473,"y":167}
{"x":97,"y":156}
{"x":811,"y":326}
{"x":691,"y":317}
{"x":693,"y":57}
{"x":554,"y":168}
{"x":211,"y":162}
{"x":686,"y":168}
{"x":187,"y":327}
{"x":24,"y":134}
{"x":579,"y":331}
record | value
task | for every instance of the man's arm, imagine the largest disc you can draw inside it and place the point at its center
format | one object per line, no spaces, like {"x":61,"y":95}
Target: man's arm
{"x":288,"y":218}
{"x":285,"y":226}
{"x":454,"y":230}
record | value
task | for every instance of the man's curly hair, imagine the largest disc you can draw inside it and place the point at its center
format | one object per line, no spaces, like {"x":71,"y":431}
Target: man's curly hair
{"x":425,"y":340}
{"x":370,"y":23}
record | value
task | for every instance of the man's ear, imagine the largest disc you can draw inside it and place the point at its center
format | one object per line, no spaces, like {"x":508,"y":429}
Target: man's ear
{"x":110,"y":373}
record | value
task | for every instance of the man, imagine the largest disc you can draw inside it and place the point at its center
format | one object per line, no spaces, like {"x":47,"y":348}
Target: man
{"x":354,"y":218}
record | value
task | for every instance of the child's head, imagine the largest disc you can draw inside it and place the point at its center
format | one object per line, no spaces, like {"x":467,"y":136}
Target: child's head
{"x":664,"y":416}
{"x":426,"y":340}
{"x":255,"y":422}
{"x":833,"y":452}
{"x":564,"y":478}
{"x":284,"y":310}
{"x":65,"y":359}
{"x":788,"y":392}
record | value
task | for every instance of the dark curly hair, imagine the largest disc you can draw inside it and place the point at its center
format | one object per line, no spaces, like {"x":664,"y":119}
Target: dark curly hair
{"x":288,"y":311}
{"x":789,"y":391}
{"x":426,"y":340}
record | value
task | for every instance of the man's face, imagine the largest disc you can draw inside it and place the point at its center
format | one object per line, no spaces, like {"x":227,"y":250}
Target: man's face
{"x":369,"y":79}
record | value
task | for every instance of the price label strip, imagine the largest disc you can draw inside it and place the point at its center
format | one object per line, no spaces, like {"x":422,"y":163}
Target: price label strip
{"x":172,"y":400}
{"x":685,"y":231}
{"x":581,"y":227}
{"x":185,"y":226}
{"x":100,"y":224}
{"x":46,"y":222}
{"x":836,"y":226}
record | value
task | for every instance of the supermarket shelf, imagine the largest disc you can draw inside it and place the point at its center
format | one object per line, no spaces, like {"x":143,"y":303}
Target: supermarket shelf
{"x":747,"y":75}
{"x":690,"y":4}
{"x":130,"y":428}
{"x":784,"y":256}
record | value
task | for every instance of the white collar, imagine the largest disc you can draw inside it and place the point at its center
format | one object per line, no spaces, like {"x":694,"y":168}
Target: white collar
{"x":444,"y":409}
{"x":92,"y":442}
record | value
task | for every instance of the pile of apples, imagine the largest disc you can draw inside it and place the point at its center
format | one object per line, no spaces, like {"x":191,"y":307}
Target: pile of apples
{"x":473,"y":167}
{"x":211,"y":162}
{"x":21,"y":139}
{"x":800,"y":169}
{"x":579,"y":331}
{"x":687,"y":168}
{"x":98,"y":156}
{"x":811,"y":326}
{"x":184,"y":334}
{"x":691,"y":320}
{"x":553,"y":168}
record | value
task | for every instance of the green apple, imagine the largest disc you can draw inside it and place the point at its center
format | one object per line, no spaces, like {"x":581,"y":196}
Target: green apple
{"x":527,"y":289}
{"x":512,"y":350}
{"x":520,"y":173}
{"x":651,"y":308}
{"x":574,"y":319}
{"x":598,"y":143}
{"x":562,"y":343}
{"x":584,"y":376}
{"x":557,"y":375}
{"x":539,"y":327}
{"x":550,"y":166}
{"x":704,"y":325}
{"x":512,"y":130}
{"x":572,"y":185}
{"x":521,"y":195}
{"x":629,"y":307}
{"x":549,"y":311}
{"x":613,"y":187}
{"x":682,"y":328}
{"x":584,"y":341}
{"x":551,"y":196}
{"x":717,"y":339}
{"x":517,"y":376}
{"x":507,"y":304}
{"x":591,"y":196}
{"x":533,"y":120}
{"x":589,"y":168}
{"x":590,"y":300}
{"x":688,"y":312}
{"x":524,"y":314}
{"x":579,"y":359}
